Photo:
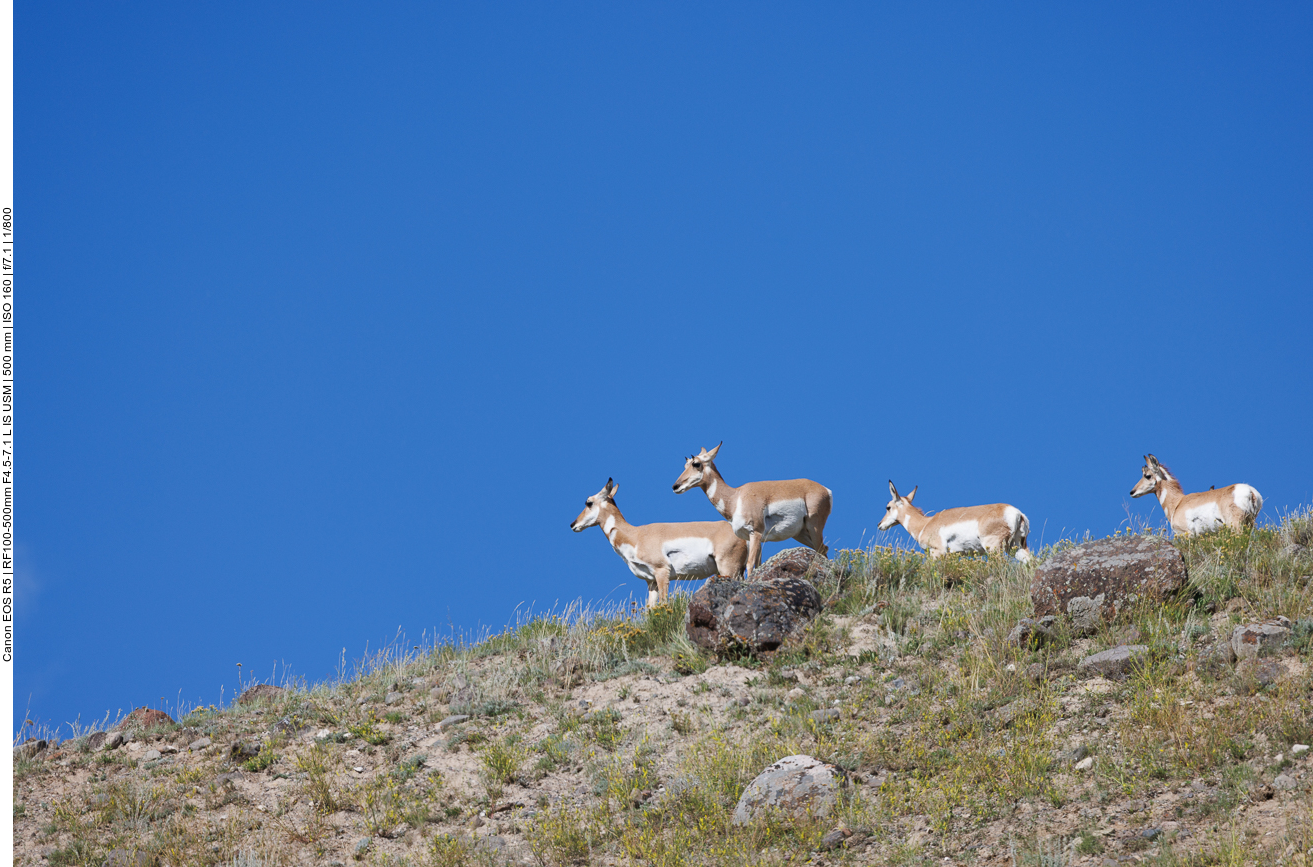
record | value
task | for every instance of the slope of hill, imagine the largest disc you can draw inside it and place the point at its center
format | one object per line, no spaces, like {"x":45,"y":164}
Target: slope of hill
{"x":605,"y":737}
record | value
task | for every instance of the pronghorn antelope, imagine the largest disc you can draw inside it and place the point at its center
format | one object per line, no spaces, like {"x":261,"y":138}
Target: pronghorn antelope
{"x":761,"y":511}
{"x":659,"y":552}
{"x":998,"y":527}
{"x":1235,"y":505}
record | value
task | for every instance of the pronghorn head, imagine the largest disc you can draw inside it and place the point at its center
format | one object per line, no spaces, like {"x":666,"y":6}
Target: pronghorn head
{"x":695,"y":469}
{"x":594,"y":505}
{"x":1151,"y":475}
{"x":897,"y":508}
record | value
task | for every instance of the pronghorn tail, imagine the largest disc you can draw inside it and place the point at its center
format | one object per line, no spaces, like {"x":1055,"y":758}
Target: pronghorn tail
{"x":1250,"y":500}
{"x":1019,"y":533}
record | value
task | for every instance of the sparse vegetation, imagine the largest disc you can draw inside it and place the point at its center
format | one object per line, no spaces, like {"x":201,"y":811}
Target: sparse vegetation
{"x":605,"y":736}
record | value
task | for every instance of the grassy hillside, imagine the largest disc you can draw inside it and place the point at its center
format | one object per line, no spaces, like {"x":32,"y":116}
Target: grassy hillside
{"x":604,"y":737}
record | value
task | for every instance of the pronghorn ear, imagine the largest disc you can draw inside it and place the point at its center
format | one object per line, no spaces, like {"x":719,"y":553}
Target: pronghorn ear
{"x":614,"y":490}
{"x":892,"y":489}
{"x":1151,"y":461}
{"x":711,"y":455}
{"x":913,"y":494}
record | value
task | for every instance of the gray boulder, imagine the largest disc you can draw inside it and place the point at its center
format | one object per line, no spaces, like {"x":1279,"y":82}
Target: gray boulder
{"x":795,"y":785}
{"x":1098,"y":581}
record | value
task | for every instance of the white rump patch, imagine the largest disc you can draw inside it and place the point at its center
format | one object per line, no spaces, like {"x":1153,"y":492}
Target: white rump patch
{"x":1248,"y":499}
{"x":961,"y":537}
{"x":690,"y":558}
{"x":1023,"y":556}
{"x":1203,"y":519}
{"x":1012,"y":517}
{"x":784,"y":519}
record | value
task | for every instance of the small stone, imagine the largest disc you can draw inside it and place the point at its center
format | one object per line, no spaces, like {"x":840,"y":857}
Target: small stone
{"x":1253,"y":639}
{"x":151,"y":755}
{"x":168,"y":749}
{"x":1284,"y":783}
{"x":392,"y":698}
{"x":743,"y":701}
{"x":453,"y":720}
{"x":1085,"y":764}
{"x":834,"y":839}
{"x":243,"y":750}
{"x":795,"y":694}
{"x":827,"y":714}
{"x":1298,"y":749}
{"x":1075,"y":754}
{"x":359,"y":769}
{"x":1258,"y":672}
{"x":1030,"y":632}
{"x":1011,"y":666}
{"x":198,"y":745}
{"x":1009,"y":713}
{"x":323,"y":733}
{"x":1151,"y":833}
{"x":1115,"y":663}
{"x":1035,"y":672}
{"x":852,"y":680}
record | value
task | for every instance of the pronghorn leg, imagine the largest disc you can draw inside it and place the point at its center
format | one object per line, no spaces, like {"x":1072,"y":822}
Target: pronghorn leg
{"x":754,"y":553}
{"x":662,"y":591}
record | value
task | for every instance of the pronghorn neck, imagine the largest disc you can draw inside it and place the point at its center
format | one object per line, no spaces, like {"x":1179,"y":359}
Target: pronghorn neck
{"x":1169,"y":495}
{"x":913,"y":521}
{"x":718,"y":491}
{"x":613,"y":524}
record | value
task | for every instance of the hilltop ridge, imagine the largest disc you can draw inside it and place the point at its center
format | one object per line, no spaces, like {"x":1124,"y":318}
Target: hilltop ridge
{"x":606,"y":737}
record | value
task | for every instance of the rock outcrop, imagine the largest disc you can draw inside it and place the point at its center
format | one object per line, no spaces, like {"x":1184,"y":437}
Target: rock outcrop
{"x":757,"y":615}
{"x":144,"y":718}
{"x":1097,"y":581}
{"x":261,"y":691}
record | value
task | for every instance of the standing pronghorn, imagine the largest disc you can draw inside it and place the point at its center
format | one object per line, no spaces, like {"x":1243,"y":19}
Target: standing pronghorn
{"x":761,"y":511}
{"x":658,"y":552}
{"x":1235,"y":505}
{"x":998,"y":527}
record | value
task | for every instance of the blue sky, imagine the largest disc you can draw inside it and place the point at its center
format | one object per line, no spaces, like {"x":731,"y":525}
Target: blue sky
{"x":331,"y":317}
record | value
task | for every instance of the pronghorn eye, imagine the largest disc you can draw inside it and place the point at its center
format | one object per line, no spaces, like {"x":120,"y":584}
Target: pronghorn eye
{"x":697,"y":464}
{"x":588,"y":502}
